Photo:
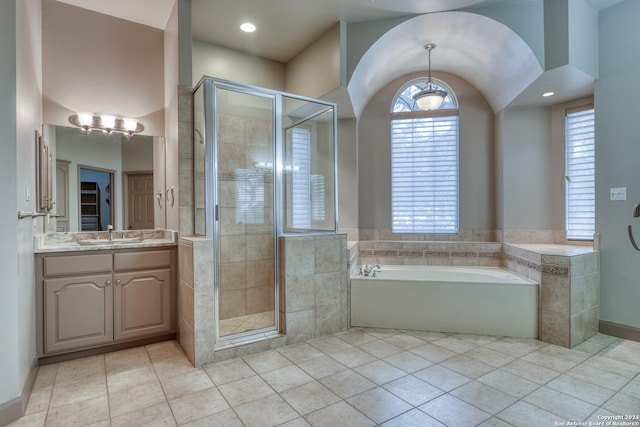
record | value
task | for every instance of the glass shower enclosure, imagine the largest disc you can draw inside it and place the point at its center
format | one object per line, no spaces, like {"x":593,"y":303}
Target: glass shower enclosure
{"x":264,"y":167}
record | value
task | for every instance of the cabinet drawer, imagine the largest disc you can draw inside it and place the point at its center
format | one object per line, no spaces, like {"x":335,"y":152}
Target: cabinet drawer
{"x":76,"y":264}
{"x":141,"y":260}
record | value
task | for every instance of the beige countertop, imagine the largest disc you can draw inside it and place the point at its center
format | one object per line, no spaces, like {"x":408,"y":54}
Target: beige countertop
{"x":96,"y":241}
{"x":551,"y":249}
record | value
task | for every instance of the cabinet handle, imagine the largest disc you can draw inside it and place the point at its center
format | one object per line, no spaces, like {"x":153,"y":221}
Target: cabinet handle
{"x":159,"y":197}
{"x":118,"y":282}
{"x":107,"y":283}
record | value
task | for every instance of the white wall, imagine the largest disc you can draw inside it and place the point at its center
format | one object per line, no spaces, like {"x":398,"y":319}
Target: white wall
{"x":530,"y":179}
{"x":20,"y":117}
{"x":171,"y":156}
{"x":347,"y":174}
{"x":315,"y":71}
{"x":617,"y":155}
{"x":231,"y":65}
{"x":475,"y":148}
{"x":101,"y":64}
{"x":10,"y":386}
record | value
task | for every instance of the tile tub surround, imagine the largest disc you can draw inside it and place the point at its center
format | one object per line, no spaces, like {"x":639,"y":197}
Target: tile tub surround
{"x":569,"y":278}
{"x":482,"y":254}
{"x":68,"y":242}
{"x":568,"y":274}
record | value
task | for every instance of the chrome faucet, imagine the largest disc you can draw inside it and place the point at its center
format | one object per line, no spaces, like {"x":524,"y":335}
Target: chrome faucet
{"x":110,"y":230}
{"x":370,"y":271}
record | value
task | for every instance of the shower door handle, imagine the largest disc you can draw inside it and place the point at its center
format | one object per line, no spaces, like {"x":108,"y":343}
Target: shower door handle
{"x":216,"y":213}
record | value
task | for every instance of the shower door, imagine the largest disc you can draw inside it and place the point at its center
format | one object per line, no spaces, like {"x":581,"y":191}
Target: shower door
{"x":244,"y":215}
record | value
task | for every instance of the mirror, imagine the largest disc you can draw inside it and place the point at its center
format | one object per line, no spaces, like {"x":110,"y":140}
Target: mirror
{"x":106,"y":179}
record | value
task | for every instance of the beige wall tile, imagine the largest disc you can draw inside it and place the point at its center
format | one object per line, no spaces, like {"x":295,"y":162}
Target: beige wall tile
{"x":555,"y":328}
{"x":232,"y":275}
{"x":259,"y":273}
{"x":328,"y":289}
{"x":260,"y":299}
{"x":185,"y":302}
{"x":300,"y":293}
{"x":186,"y":338}
{"x":328,"y":255}
{"x":233,"y":303}
{"x":232,"y":249}
{"x":555,"y":294}
{"x":584,"y":325}
{"x":259,"y":247}
{"x":299,"y":256}
{"x":300,"y":326}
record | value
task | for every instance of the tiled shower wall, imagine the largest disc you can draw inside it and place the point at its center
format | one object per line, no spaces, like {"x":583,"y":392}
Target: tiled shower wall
{"x":314,"y":291}
{"x":246,"y":216}
{"x":196,"y":308}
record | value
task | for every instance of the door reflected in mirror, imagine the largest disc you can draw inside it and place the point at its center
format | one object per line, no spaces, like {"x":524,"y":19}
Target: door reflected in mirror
{"x":96,"y":192}
{"x":135,"y":168}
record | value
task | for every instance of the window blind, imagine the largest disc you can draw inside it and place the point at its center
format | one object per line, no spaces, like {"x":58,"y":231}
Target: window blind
{"x":301,"y":178}
{"x":580,"y":174}
{"x":424,"y":175}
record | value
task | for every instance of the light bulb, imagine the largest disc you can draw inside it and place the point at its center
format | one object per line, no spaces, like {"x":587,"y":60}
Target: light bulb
{"x":130,"y":124}
{"x":85,"y":119}
{"x":108,"y":122}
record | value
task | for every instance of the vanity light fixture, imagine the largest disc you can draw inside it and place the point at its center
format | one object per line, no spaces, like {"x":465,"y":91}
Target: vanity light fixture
{"x":430,"y":98}
{"x":106,"y":123}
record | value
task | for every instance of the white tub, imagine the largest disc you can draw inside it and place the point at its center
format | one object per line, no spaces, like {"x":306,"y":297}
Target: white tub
{"x":470,"y":300}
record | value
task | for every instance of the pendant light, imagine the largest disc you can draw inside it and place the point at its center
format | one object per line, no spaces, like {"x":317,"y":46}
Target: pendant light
{"x":430,"y":98}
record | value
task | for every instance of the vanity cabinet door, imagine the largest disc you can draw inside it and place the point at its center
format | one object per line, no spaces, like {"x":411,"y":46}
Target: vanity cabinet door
{"x":142,"y":303}
{"x":78,"y":312}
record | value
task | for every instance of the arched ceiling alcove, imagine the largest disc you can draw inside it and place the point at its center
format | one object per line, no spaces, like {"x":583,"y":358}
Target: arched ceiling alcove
{"x":480,"y":50}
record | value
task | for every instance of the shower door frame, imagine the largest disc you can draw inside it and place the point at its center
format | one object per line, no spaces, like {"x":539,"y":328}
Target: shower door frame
{"x":212,"y":226}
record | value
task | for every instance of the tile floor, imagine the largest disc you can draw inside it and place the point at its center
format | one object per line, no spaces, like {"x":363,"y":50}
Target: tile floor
{"x":362,"y":377}
{"x":234,"y":325}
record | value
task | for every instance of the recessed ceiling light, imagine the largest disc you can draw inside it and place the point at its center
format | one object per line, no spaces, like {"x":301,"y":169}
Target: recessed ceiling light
{"x":248,"y":27}
{"x":548,"y":94}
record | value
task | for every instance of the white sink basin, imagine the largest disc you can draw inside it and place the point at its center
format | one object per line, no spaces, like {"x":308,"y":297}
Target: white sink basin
{"x":121,"y":241}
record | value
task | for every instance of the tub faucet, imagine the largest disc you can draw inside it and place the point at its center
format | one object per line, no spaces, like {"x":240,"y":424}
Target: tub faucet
{"x":110,"y":230}
{"x":371,"y":271}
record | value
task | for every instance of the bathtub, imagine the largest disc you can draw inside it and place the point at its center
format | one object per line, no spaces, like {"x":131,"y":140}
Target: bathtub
{"x":468,"y":300}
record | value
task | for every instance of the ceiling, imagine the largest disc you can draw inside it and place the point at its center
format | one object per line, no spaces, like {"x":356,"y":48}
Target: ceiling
{"x":286,"y":27}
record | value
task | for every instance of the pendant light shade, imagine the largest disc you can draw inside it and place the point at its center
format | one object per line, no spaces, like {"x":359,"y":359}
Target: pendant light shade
{"x":430,"y":98}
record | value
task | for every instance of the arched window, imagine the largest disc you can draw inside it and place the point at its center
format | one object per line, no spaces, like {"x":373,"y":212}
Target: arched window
{"x":424,"y":163}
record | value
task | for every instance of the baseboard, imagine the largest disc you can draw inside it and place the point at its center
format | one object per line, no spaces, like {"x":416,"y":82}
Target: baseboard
{"x":620,"y":331}
{"x":46,"y":360}
{"x":29,"y":382}
{"x":14,"y":409}
{"x":11,"y":411}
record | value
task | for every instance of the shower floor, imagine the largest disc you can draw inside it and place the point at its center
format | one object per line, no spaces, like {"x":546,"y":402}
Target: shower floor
{"x":234,"y":325}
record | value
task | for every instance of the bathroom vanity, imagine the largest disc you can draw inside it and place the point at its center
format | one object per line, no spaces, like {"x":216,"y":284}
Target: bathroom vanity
{"x":103,"y":294}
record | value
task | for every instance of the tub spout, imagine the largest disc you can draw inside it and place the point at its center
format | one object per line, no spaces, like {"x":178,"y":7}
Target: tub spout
{"x":371,"y":271}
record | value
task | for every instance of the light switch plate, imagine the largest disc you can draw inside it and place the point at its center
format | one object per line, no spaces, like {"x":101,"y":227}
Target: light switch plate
{"x":618,"y":193}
